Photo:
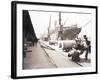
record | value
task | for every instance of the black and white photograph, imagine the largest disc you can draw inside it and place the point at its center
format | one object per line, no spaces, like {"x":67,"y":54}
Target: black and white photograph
{"x":54,"y":39}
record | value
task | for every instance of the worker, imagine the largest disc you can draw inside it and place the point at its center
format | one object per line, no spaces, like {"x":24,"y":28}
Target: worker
{"x":87,"y":46}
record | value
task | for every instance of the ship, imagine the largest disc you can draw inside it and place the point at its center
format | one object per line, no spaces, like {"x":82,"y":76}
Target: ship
{"x":62,"y":32}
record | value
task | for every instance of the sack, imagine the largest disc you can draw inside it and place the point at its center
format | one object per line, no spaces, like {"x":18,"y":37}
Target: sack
{"x":75,"y":57}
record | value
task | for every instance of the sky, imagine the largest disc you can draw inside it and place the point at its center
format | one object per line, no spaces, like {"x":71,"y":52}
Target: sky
{"x":40,"y":21}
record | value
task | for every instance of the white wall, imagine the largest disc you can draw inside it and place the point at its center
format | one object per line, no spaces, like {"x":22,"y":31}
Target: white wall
{"x":5,"y":40}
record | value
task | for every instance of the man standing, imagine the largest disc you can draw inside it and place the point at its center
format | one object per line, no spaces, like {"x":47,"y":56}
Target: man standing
{"x":88,"y":46}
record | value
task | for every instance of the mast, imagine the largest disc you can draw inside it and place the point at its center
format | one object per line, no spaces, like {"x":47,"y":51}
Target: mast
{"x":49,"y":28}
{"x":60,"y":19}
{"x":60,"y":32}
